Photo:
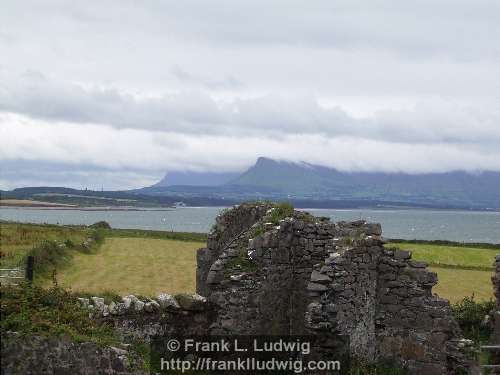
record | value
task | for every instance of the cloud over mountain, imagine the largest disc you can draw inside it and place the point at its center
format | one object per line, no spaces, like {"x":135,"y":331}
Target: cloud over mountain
{"x":140,"y":88}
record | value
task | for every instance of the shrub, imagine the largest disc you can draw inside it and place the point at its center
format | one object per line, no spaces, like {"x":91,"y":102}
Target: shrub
{"x":50,"y":312}
{"x":48,"y":255}
{"x":470,"y":315}
{"x":101,"y":225}
{"x":69,"y":244}
{"x":97,"y":236}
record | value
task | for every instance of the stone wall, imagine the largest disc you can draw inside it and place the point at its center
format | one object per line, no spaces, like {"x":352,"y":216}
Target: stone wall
{"x":134,"y":320}
{"x":311,"y":276}
{"x":37,"y":355}
{"x":495,"y":337}
{"x":298,"y":275}
{"x":228,"y":227}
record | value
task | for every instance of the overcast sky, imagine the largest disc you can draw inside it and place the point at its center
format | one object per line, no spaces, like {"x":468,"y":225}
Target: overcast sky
{"x":116,"y":93}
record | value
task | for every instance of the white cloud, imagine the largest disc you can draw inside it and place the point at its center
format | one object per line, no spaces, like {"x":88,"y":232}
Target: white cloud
{"x":139,"y":87}
{"x":196,"y":112}
{"x":88,"y":146}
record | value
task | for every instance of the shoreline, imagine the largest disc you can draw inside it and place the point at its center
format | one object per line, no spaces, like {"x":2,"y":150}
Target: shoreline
{"x":62,"y":207}
{"x":77,"y":208}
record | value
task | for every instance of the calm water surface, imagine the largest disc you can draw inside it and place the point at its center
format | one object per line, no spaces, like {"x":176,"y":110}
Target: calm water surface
{"x":467,"y":226}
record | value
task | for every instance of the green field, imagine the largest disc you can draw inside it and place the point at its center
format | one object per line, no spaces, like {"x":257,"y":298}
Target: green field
{"x":462,"y":271}
{"x":149,"y":262}
{"x":16,"y":240}
{"x":140,"y":266}
{"x":447,"y":256}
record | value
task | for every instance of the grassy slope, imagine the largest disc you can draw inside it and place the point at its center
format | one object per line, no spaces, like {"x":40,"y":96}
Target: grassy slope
{"x":134,"y":265}
{"x":461,"y":271}
{"x":17,"y":239}
{"x":464,"y":257}
{"x":455,"y":284}
{"x":158,"y":234}
{"x":146,"y":262}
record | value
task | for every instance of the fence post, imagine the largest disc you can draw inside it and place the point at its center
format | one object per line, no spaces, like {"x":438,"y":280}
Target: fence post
{"x":29,"y":268}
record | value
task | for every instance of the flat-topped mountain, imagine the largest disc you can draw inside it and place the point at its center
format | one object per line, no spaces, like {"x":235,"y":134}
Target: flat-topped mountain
{"x":269,"y":178}
{"x":306,"y":185}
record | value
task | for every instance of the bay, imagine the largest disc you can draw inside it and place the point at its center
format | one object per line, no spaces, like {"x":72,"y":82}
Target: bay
{"x":463,"y":226}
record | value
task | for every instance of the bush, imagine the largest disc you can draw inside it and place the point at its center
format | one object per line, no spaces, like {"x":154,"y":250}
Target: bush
{"x":97,"y":236}
{"x":470,"y":316}
{"x":48,"y":255}
{"x":50,"y":312}
{"x":69,"y":244}
{"x":101,"y":225}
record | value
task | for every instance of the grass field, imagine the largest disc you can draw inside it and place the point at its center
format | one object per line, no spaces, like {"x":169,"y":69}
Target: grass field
{"x":455,"y":284}
{"x":446,"y":256}
{"x":148,"y":262}
{"x":140,"y":266}
{"x":17,"y":239}
{"x":462,"y":271}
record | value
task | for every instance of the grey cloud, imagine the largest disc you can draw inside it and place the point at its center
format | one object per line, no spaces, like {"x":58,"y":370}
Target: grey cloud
{"x":140,"y":155}
{"x":212,"y":85}
{"x":227,"y":83}
{"x":19,"y":173}
{"x":460,"y":29}
{"x":197,"y":112}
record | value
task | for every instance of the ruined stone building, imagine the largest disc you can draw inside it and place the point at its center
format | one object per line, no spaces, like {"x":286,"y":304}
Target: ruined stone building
{"x":268,"y":269}
{"x":304,"y":275}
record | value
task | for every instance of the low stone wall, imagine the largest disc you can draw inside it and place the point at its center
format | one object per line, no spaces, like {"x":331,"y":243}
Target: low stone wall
{"x":37,"y":355}
{"x":134,"y":319}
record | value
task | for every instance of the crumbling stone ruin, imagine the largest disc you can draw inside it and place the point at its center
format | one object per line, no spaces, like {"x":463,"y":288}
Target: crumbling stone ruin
{"x":304,"y":275}
{"x":495,"y":315}
{"x":268,"y":269}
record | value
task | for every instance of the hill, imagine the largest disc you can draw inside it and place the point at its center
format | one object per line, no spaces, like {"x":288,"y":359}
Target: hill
{"x":309,"y":184}
{"x":302,"y":179}
{"x":306,"y":185}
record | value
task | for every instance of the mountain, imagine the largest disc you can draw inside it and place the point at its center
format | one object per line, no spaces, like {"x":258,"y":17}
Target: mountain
{"x":304,"y":184}
{"x":312,"y":185}
{"x":186,"y":178}
{"x":303,"y":180}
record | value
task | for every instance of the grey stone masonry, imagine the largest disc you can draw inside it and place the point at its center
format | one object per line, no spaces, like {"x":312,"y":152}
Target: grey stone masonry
{"x":37,"y":355}
{"x":133,"y":319}
{"x":306,"y":275}
{"x":228,"y":227}
{"x":271,"y":270}
{"x":495,"y":337}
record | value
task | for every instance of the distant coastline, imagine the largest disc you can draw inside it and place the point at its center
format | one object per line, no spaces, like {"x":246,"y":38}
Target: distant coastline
{"x":27,"y":204}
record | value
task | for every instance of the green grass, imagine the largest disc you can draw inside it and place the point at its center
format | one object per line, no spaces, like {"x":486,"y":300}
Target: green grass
{"x":147,"y":262}
{"x":17,"y":240}
{"x":141,"y":266}
{"x":50,"y":312}
{"x":477,"y":245}
{"x":462,"y":271}
{"x":130,"y":261}
{"x":451,"y":256}
{"x":455,"y":284}
{"x":140,"y":233}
